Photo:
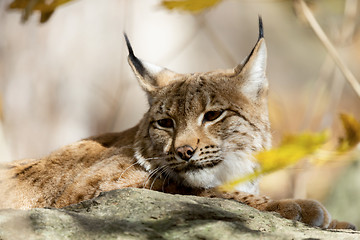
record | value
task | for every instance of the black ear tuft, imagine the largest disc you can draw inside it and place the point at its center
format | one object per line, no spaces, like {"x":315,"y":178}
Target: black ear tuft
{"x":131,"y":52}
{"x":134,"y":60}
{"x":261,"y":35}
{"x":261,"y":29}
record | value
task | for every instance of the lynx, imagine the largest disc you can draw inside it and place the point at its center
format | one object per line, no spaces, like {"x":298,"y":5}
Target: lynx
{"x":200,"y":131}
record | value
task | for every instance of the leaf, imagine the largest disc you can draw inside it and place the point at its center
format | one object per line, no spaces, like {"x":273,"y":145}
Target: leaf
{"x":292,"y":149}
{"x":346,"y":144}
{"x":46,"y":8}
{"x":193,"y":6}
{"x":352,"y":133}
{"x":296,"y":147}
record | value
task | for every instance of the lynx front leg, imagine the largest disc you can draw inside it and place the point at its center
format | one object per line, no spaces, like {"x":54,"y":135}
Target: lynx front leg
{"x":310,"y":212}
{"x":335,"y":224}
{"x":307,"y":211}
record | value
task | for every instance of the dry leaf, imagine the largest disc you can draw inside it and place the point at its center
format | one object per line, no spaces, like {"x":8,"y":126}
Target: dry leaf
{"x":45,"y":7}
{"x":346,"y":143}
{"x":352,"y":133}
{"x":193,"y":6}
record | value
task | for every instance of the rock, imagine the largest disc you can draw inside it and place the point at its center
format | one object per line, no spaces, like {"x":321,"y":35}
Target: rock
{"x":143,"y":214}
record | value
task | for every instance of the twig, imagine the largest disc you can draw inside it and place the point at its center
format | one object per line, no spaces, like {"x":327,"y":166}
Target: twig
{"x":329,"y":47}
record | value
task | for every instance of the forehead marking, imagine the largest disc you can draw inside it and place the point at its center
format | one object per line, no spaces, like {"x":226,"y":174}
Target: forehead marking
{"x":188,"y":98}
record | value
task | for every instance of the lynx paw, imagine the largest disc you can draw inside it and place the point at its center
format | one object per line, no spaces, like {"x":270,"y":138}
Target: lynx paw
{"x":341,"y":225}
{"x":310,"y":212}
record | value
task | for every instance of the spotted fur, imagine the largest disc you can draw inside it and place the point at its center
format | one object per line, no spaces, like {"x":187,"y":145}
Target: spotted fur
{"x":200,"y":131}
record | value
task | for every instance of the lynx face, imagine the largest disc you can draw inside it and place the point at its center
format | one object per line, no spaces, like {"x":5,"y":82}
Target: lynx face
{"x":201,"y":129}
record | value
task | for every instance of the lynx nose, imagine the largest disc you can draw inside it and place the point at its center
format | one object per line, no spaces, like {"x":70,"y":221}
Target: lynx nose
{"x":185,"y":152}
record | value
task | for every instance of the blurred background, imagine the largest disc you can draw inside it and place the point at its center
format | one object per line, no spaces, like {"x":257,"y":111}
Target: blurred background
{"x":68,"y":78}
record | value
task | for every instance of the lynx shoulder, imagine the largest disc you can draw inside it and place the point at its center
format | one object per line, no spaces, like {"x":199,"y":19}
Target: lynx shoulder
{"x":200,"y":131}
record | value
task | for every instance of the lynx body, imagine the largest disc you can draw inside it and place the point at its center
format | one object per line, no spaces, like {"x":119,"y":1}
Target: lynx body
{"x":200,"y":131}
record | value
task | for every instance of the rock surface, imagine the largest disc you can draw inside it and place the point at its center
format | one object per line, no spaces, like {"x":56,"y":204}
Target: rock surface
{"x":143,"y":214}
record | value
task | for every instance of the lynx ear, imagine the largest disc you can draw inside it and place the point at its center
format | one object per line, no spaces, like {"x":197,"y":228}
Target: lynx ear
{"x":151,"y":77}
{"x":252,"y":72}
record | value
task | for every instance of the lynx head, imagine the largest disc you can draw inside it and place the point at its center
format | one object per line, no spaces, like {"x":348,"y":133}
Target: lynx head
{"x":202,"y":128}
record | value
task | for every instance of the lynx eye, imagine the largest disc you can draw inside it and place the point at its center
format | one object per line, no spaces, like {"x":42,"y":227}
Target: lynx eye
{"x":212,"y":115}
{"x":166,"y":123}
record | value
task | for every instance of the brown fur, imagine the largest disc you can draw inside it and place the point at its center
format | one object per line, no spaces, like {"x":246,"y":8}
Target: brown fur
{"x":200,"y":131}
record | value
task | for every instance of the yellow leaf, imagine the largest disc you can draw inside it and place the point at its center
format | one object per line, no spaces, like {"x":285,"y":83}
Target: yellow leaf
{"x":346,"y":143}
{"x":296,"y":147}
{"x":292,"y":149}
{"x":193,"y":6}
{"x":231,"y":185}
{"x":46,"y":8}
{"x":352,"y":133}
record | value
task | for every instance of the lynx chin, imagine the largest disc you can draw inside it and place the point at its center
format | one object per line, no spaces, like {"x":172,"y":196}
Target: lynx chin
{"x":200,"y":131}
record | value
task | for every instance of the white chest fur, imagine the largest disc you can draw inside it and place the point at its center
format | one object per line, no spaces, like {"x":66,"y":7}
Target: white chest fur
{"x":235,"y":165}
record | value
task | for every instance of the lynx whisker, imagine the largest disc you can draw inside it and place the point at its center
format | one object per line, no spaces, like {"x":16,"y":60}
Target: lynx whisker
{"x":127,"y":147}
{"x":152,"y":173}
{"x":222,"y":113}
{"x":167,"y":176}
{"x":128,"y":168}
{"x":158,"y":158}
{"x":149,"y":176}
{"x":158,"y":174}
